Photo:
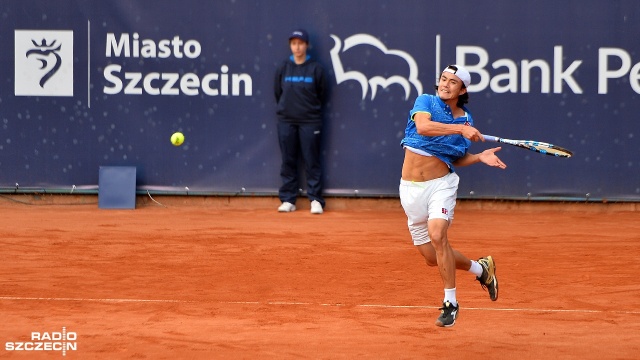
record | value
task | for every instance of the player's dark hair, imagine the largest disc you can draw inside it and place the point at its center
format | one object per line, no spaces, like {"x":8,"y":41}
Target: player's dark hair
{"x":462,"y":99}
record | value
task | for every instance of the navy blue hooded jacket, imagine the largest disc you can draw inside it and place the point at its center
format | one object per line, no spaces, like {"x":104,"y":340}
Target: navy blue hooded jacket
{"x":300,"y":91}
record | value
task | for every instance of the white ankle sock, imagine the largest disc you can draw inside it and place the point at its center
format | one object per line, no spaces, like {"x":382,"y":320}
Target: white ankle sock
{"x":476,"y":268}
{"x":450,"y":296}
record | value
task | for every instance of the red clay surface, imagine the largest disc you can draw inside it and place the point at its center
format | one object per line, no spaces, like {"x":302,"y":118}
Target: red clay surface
{"x":193,"y":281}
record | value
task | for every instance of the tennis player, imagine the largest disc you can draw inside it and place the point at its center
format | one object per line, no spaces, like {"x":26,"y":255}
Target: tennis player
{"x":437,"y":137}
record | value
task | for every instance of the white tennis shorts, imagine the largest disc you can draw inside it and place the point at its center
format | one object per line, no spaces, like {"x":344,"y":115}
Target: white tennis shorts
{"x":433,"y":199}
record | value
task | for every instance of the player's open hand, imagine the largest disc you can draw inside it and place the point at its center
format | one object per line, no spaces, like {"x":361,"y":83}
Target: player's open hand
{"x":490,"y":158}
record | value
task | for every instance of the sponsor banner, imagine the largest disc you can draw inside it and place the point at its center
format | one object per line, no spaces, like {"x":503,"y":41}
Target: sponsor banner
{"x":88,"y":84}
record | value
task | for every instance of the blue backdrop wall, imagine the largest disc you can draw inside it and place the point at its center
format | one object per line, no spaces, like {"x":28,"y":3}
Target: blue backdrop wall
{"x":85,"y":84}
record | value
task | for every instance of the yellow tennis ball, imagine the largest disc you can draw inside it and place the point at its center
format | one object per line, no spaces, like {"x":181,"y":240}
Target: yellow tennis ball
{"x":177,"y":138}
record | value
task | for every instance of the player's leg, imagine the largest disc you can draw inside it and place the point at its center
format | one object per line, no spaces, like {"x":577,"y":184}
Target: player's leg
{"x":289,"y":145}
{"x":484,"y":268}
{"x":445,"y":256}
{"x":447,"y":266}
{"x":477,"y":268}
{"x":442,"y":205}
{"x":462,"y":262}
{"x":441,"y":210}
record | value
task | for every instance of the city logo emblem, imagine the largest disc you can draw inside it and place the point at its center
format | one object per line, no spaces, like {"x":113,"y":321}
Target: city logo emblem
{"x":43,"y":63}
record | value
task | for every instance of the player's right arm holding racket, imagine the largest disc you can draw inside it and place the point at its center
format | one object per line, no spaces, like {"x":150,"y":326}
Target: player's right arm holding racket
{"x":426,"y":126}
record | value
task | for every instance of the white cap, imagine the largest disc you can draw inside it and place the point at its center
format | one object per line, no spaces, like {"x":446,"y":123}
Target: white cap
{"x":460,"y":72}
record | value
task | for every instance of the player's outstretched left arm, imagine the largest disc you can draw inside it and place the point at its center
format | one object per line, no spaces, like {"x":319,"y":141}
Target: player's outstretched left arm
{"x":488,"y":157}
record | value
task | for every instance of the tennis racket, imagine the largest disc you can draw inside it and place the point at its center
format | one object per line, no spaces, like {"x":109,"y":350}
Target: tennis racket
{"x":537,"y":146}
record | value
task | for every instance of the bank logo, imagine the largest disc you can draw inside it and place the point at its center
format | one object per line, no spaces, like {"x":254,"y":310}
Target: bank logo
{"x":43,"y":63}
{"x":405,"y":79}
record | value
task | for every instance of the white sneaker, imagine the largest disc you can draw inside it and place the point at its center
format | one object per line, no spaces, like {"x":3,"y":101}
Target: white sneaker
{"x":286,"y":207}
{"x":316,"y":207}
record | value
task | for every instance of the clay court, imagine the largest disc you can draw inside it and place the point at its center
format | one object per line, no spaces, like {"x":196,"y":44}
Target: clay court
{"x":230,"y":278}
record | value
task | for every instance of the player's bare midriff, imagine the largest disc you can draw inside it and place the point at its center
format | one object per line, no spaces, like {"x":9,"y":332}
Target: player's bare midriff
{"x":422,"y":168}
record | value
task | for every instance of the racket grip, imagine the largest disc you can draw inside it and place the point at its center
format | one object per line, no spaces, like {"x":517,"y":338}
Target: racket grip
{"x":490,"y":138}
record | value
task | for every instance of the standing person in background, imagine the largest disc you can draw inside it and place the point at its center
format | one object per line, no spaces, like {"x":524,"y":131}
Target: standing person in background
{"x":437,"y":137}
{"x":299,"y":88}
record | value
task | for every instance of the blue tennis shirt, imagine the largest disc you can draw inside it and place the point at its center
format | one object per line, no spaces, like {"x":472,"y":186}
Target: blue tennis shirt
{"x":447,"y":148}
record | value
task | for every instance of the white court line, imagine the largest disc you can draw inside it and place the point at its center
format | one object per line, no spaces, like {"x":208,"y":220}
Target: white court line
{"x":587,"y":311}
{"x":295,"y":303}
{"x":16,"y":298}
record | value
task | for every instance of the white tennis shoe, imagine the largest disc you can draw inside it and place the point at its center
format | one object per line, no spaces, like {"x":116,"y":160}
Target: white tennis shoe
{"x":316,"y":207}
{"x":286,"y":207}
